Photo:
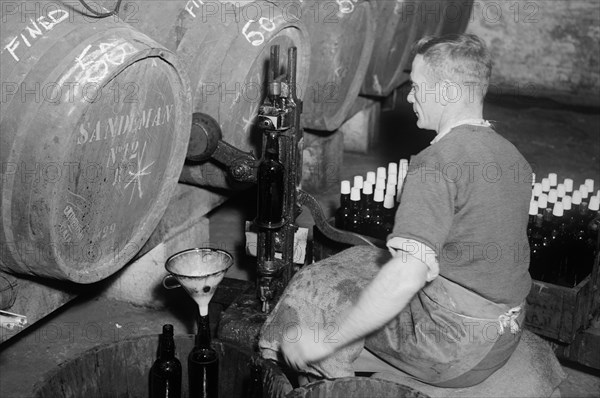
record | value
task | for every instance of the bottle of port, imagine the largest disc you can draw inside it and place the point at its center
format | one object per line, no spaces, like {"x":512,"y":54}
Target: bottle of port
{"x":561,"y":192}
{"x":203,"y":364}
{"x":568,"y":183}
{"x":537,"y":190}
{"x":381,"y":173}
{"x":165,"y":374}
{"x":575,"y":203}
{"x":542,"y":203}
{"x":552,"y":198}
{"x":376,"y":226}
{"x":358,"y":182}
{"x":584,"y":191}
{"x":392,"y":169}
{"x":380,"y":184}
{"x":270,"y":185}
{"x":355,"y":219}
{"x":403,"y":167}
{"x":545,"y":185}
{"x":560,"y":246}
{"x":371,"y":177}
{"x":593,"y":224}
{"x":342,"y":214}
{"x":367,"y":210}
{"x":389,"y":207}
{"x":553,"y":179}
{"x":536,"y":244}
{"x":533,"y":211}
{"x":390,"y":190}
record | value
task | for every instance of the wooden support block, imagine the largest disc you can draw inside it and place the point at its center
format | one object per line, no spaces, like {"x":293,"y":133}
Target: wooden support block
{"x":361,"y":130}
{"x":183,"y":226}
{"x":36,"y":298}
{"x":583,"y":349}
{"x":322,"y":160}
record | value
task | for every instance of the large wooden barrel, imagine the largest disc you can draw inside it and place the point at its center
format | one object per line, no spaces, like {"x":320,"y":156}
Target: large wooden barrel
{"x":225,"y":46}
{"x":399,"y":24}
{"x":355,"y":387}
{"x":122,"y":369}
{"x":342,"y":35}
{"x":275,"y":384}
{"x":95,"y":122}
{"x":455,"y":16}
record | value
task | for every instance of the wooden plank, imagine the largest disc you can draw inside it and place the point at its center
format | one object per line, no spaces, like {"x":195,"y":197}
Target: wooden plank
{"x":37,"y":298}
{"x":584,"y":348}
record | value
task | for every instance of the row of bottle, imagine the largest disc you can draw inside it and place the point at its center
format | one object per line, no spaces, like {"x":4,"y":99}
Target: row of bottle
{"x":563,"y":231}
{"x":368,"y":206}
{"x":203,"y":367}
{"x":566,"y":188}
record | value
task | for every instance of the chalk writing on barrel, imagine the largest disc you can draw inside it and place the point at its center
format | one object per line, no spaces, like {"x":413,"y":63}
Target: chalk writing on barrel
{"x":34,"y":31}
{"x":256,"y":37}
{"x":346,"y":6}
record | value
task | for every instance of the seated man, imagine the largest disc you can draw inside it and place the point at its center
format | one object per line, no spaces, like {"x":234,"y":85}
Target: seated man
{"x":446,"y":308}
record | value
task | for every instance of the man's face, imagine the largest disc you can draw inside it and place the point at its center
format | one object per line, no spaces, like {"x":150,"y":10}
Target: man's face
{"x":425,"y":95}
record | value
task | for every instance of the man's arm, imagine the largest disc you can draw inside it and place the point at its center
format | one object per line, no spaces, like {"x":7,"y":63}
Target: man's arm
{"x":382,"y":300}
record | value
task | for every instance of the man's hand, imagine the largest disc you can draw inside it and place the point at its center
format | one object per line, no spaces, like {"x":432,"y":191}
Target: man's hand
{"x":304,"y":349}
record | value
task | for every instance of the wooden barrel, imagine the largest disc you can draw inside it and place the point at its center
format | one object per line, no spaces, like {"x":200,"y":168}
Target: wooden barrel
{"x":355,"y":387}
{"x":275,"y":384}
{"x":399,"y":24}
{"x":95,"y":121}
{"x":122,"y":369}
{"x":225,"y":46}
{"x":342,"y":35}
{"x":455,"y":16}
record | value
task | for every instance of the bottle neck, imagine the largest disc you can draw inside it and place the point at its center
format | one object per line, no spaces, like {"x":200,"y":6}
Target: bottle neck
{"x":203,"y":337}
{"x":344,"y":199}
{"x":167,"y":347}
{"x":272,"y":146}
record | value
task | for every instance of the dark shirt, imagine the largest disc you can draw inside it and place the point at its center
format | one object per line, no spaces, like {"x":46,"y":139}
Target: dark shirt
{"x":467,"y":198}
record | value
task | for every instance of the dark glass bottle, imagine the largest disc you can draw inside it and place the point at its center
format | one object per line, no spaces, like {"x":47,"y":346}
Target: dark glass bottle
{"x":552,"y":198}
{"x":355,"y":220}
{"x":376,"y":226}
{"x":165,"y":374}
{"x":203,"y":364}
{"x":533,"y":211}
{"x":584,"y":249}
{"x":560,"y":247}
{"x":342,"y":214}
{"x":366,"y":208}
{"x":542,"y":203}
{"x":389,"y":215}
{"x":270,"y":185}
{"x":536,"y":240}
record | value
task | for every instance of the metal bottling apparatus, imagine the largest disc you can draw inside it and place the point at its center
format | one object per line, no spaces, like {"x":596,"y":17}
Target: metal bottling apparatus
{"x":278,"y":176}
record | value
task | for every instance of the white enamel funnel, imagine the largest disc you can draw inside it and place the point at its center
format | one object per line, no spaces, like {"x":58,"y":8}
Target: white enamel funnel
{"x":199,"y":271}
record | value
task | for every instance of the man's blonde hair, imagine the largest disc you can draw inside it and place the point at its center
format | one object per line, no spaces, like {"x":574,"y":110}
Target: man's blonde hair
{"x":463,"y":59}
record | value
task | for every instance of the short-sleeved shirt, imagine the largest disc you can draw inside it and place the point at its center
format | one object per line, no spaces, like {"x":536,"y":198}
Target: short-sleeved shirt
{"x":467,"y":198}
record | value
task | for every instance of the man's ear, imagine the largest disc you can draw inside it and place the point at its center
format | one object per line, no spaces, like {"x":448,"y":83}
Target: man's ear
{"x":450,"y":92}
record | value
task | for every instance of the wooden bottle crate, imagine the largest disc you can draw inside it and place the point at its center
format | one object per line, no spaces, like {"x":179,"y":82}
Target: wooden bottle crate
{"x":559,"y":312}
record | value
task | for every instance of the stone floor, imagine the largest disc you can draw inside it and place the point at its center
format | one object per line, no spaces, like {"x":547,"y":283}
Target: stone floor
{"x":552,"y":137}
